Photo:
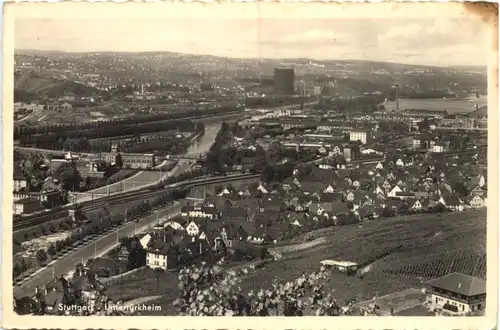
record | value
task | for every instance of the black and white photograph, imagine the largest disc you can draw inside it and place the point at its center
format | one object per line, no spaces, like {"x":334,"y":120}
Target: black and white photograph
{"x":200,"y":164}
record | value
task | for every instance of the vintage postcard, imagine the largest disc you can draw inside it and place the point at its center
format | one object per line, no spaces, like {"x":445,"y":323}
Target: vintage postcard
{"x":250,"y":159}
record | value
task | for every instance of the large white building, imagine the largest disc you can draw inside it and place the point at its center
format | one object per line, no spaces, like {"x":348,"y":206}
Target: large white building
{"x":457,"y":294}
{"x":363,"y":135}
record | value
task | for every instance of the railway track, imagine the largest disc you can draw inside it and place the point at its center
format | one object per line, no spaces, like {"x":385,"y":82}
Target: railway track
{"x":96,"y":204}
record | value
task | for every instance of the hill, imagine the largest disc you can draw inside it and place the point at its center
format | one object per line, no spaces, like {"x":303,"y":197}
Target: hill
{"x":399,"y":253}
{"x":29,"y":86}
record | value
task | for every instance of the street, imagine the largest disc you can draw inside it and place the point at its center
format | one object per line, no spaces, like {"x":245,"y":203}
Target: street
{"x":68,"y":262}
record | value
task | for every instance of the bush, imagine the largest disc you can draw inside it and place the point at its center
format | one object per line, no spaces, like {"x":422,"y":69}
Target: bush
{"x":51,"y":250}
{"x":41,"y":256}
{"x":211,"y":291}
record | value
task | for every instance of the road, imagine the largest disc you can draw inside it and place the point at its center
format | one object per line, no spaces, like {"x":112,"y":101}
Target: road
{"x":68,"y":262}
{"x":138,"y":181}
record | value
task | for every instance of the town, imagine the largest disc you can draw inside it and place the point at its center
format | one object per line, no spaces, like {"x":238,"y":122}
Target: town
{"x":292,"y":194}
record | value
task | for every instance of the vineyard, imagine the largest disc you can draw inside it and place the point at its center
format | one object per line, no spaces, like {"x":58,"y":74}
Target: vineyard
{"x":399,"y":252}
{"x":470,"y":264}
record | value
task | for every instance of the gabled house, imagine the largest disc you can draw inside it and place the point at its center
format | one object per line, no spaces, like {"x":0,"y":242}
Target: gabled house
{"x":414,"y":204}
{"x":350,"y":196}
{"x":476,"y":202}
{"x":394,"y":191}
{"x":329,"y":189}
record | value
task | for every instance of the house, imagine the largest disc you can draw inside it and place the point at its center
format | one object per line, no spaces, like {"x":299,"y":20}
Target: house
{"x":106,"y":267}
{"x":20,"y":182}
{"x":262,"y":189}
{"x":394,"y":191}
{"x":145,"y":240}
{"x":201,"y":211}
{"x":477,"y":190}
{"x":234,"y":214}
{"x":414,"y":204}
{"x":26,"y":206}
{"x":158,"y":252}
{"x":456,"y":294}
{"x":66,"y":106}
{"x":193,"y":229}
{"x":230,"y":235}
{"x":24,"y":305}
{"x":47,"y":197}
{"x":452,"y":202}
{"x":476,"y":201}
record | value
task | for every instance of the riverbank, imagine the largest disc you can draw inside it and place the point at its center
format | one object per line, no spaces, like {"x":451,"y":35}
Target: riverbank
{"x":452,"y":106}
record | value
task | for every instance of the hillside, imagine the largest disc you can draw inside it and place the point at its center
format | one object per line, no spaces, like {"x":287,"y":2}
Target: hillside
{"x":27,"y":86}
{"x":401,"y":252}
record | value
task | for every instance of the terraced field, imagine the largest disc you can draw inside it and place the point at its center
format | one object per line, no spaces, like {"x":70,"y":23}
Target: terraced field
{"x":399,"y":253}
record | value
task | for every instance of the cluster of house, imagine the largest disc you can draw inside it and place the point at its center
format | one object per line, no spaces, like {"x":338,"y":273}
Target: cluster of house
{"x":26,"y":201}
{"x":263,"y":213}
{"x":82,"y":289}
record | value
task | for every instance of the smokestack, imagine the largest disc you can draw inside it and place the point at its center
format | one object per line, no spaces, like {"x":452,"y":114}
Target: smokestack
{"x":397,"y":97}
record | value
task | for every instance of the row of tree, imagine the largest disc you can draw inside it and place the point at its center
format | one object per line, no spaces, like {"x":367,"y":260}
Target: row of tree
{"x":79,"y":138}
{"x":175,"y":118}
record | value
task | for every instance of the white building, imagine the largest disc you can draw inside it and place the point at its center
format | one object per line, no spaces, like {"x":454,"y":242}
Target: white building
{"x":456,"y":294}
{"x":437,"y":148}
{"x":363,"y":135}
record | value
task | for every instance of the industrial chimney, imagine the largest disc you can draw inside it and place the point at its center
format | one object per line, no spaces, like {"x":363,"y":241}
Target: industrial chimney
{"x":397,"y":97}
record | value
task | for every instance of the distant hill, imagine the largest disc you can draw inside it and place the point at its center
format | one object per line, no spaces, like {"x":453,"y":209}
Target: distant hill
{"x":29,"y":86}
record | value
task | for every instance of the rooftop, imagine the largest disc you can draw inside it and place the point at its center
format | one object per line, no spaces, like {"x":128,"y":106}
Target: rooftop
{"x":460,"y":283}
{"x":329,"y":262}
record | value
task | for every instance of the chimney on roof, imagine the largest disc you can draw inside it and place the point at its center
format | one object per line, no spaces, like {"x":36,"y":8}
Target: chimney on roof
{"x":459,"y":285}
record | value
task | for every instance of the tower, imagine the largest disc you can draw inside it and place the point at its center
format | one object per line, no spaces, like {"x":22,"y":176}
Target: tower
{"x":397,"y":97}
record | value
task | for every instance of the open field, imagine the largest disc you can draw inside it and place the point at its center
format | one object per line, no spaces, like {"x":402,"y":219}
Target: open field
{"x":145,"y":282}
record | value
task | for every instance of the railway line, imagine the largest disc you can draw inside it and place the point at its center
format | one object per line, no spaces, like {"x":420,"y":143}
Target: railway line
{"x":38,"y":219}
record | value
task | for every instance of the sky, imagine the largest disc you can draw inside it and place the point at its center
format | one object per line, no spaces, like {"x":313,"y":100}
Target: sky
{"x":443,"y":42}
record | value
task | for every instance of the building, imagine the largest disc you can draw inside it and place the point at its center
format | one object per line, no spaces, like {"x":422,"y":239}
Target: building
{"x":157,"y":253}
{"x":456,"y":294}
{"x":424,"y":113}
{"x":52,"y":197}
{"x":363,"y":135}
{"x":26,"y":205}
{"x":130,"y":160}
{"x":284,"y":81}
{"x":20,"y":182}
{"x":317,"y":90}
{"x":437,"y":148}
{"x":342,"y":266}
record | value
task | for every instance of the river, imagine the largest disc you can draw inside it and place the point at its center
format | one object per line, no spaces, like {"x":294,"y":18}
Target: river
{"x":203,"y":144}
{"x":450,"y":105}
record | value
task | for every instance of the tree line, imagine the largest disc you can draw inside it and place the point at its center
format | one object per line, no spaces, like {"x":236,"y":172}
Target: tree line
{"x":78,"y":140}
{"x":29,"y":131}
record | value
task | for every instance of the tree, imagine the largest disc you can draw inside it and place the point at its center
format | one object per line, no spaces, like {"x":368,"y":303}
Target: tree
{"x":16,"y":271}
{"x":51,"y":250}
{"x":41,"y":256}
{"x":24,"y":265}
{"x":59,"y":245}
{"x":118,"y":161}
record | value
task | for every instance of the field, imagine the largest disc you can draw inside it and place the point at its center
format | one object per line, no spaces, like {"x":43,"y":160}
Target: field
{"x":452,"y":106}
{"x":143,"y":283}
{"x":399,"y":253}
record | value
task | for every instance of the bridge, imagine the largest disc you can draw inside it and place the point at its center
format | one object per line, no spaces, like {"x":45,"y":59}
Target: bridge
{"x":186,"y":157}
